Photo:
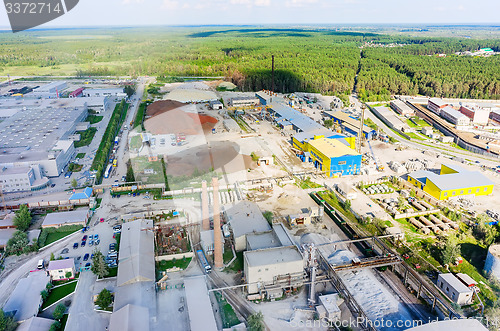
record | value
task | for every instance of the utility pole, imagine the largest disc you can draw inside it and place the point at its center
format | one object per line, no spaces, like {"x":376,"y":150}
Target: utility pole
{"x":361,"y":125}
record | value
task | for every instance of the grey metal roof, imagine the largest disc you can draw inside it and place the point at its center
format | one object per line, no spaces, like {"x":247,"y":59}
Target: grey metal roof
{"x":299,"y":120}
{"x":136,"y":259}
{"x":201,"y":316}
{"x":66,"y":217}
{"x":36,"y":324}
{"x":461,"y":180}
{"x":25,"y":299}
{"x":246,"y":217}
{"x":261,"y":240}
{"x":452,"y":112}
{"x":129,"y":318}
{"x":271,"y":256}
{"x":61,"y":264}
{"x":453,"y":281}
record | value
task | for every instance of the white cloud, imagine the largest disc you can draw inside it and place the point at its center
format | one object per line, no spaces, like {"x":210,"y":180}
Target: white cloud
{"x":170,"y":4}
{"x":299,"y":3}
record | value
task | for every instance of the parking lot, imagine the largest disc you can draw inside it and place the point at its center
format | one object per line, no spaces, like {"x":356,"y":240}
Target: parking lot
{"x":105,"y":233}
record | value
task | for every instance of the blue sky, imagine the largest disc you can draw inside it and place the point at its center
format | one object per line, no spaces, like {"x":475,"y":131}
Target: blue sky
{"x":197,"y":12}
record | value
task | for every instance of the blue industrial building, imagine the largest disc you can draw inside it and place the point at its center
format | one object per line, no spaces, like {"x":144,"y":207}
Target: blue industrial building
{"x":350,"y":124}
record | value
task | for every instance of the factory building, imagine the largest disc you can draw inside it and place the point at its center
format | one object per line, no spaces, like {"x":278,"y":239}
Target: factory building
{"x":268,"y":97}
{"x":244,"y":101}
{"x":452,"y":181}
{"x":391,"y":119}
{"x":334,"y":157}
{"x":495,"y":114}
{"x":49,"y":91}
{"x":272,"y":269}
{"x":455,"y":289}
{"x":454,"y":116}
{"x":401,"y":108}
{"x":39,"y":133}
{"x":111,"y":92}
{"x":277,"y":237}
{"x":245,"y":218}
{"x":436,"y":105}
{"x":76,"y":93}
{"x":216,"y":105}
{"x":477,"y":115}
{"x":350,"y":124}
{"x":22,"y":179}
{"x":291,"y":119}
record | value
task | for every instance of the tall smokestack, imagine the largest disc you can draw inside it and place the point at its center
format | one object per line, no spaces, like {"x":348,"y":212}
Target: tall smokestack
{"x":218,"y":262}
{"x":272,"y":84}
{"x":204,"y":207}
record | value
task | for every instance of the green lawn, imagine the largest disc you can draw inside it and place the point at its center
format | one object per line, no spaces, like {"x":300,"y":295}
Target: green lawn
{"x":58,"y":293}
{"x":74,"y":167}
{"x":229,"y":318}
{"x":112,"y":272}
{"x":181,"y":263}
{"x":85,"y":137}
{"x":80,"y":155}
{"x":413,"y":135}
{"x":237,"y":265}
{"x":93,"y":119}
{"x":63,"y":322}
{"x":51,"y":237}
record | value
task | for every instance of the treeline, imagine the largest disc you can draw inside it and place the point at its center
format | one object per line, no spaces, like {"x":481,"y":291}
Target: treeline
{"x":395,"y":71}
{"x":312,"y":60}
{"x":107,"y":141}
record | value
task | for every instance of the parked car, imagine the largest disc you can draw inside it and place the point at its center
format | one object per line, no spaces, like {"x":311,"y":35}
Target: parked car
{"x":75,"y":245}
{"x":96,"y":236}
{"x":86,"y":257}
{"x":91,"y":242}
{"x":97,"y":242}
{"x":84,"y":238}
{"x":83,"y":243}
{"x":112,"y":247}
{"x":65,"y":251}
{"x":87,"y":266}
{"x":52,"y":185}
{"x":102,"y":219}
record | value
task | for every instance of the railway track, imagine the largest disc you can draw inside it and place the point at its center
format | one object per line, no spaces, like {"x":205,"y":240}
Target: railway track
{"x":232,"y":297}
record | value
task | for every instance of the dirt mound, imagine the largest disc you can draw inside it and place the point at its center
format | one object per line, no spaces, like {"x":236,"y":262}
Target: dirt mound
{"x":178,"y":121}
{"x":159,"y":107}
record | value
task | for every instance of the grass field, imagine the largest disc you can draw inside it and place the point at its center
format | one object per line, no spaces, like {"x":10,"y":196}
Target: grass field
{"x":80,"y":155}
{"x":237,"y":265}
{"x":56,"y":236}
{"x":180,"y":263}
{"x":58,"y":293}
{"x":85,"y":137}
{"x":139,"y":164}
{"x":229,"y":318}
{"x":93,"y":119}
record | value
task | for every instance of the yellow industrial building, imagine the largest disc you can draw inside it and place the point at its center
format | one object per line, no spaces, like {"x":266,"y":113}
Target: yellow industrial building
{"x":334,"y":156}
{"x":452,"y":181}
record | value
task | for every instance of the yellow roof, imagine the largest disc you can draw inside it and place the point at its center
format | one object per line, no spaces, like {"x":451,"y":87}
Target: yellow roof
{"x":332,"y":147}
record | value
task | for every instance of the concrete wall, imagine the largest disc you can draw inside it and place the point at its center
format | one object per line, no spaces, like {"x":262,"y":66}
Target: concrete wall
{"x":170,"y":257}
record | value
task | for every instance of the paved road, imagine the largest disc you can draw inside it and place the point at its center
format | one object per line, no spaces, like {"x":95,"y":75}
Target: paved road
{"x":10,"y":278}
{"x":82,"y":315}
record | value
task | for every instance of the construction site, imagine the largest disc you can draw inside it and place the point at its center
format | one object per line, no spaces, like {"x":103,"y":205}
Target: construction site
{"x":171,"y":239}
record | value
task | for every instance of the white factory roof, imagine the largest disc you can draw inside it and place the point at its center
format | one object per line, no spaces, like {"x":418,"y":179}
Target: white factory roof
{"x":452,"y":112}
{"x":466,"y":279}
{"x":392,"y":117}
{"x":201,"y":316}
{"x":36,"y":324}
{"x":454,"y":282}
{"x":282,"y":234}
{"x":438,"y":102}
{"x":468,"y":324}
{"x":246,"y":217}
{"x":262,"y":240}
{"x":40,"y":127}
{"x":25,"y":299}
{"x":14,"y":171}
{"x":271,"y":256}
{"x":66,"y":217}
{"x":129,"y":318}
{"x":329,"y":301}
{"x":136,"y":262}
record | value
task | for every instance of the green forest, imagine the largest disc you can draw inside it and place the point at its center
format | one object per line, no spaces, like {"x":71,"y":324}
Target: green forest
{"x":311,"y":60}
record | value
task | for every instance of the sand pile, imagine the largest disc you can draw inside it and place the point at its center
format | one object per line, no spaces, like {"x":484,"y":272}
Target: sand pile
{"x":158,"y":107}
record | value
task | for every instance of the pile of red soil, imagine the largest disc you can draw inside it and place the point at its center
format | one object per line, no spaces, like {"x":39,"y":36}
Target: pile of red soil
{"x":166,"y":116}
